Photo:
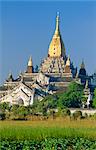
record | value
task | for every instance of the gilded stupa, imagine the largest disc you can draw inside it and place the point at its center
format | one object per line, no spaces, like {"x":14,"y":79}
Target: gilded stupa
{"x":57,"y":59}
{"x":57,"y":48}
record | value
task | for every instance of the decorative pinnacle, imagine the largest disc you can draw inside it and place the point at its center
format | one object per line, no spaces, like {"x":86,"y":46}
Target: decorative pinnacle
{"x":82,"y":65}
{"x":68,"y":61}
{"x":30,"y":62}
{"x":57,"y":24}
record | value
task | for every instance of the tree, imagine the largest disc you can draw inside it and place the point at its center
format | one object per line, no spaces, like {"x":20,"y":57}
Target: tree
{"x":73,"y":96}
{"x":94,"y":99}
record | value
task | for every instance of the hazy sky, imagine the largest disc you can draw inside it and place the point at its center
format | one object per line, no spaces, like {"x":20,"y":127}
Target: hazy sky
{"x":26,"y":28}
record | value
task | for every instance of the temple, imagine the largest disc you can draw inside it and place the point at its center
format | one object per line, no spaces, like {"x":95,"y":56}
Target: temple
{"x":55,"y":73}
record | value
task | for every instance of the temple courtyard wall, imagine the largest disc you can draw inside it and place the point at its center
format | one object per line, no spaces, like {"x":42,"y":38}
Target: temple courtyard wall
{"x":84,"y":111}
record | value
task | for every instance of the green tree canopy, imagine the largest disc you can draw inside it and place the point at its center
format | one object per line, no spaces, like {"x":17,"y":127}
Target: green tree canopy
{"x":94,"y":99}
{"x":73,"y":96}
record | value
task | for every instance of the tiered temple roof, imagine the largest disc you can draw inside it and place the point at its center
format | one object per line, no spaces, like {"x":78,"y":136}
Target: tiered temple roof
{"x":57,"y":61}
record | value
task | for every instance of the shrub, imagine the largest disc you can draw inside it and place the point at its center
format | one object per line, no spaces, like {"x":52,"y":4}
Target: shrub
{"x":77,"y":115}
{"x":2,"y":115}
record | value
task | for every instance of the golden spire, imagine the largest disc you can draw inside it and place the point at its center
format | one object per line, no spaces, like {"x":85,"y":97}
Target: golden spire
{"x":30,"y":64}
{"x":57,"y":32}
{"x":56,"y":47}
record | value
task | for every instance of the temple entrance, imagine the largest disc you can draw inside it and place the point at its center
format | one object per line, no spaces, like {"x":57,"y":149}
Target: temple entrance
{"x":20,"y":101}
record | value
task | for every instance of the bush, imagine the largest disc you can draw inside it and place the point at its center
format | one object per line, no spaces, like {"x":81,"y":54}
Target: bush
{"x":64,"y":112}
{"x":4,"y":106}
{"x":50,"y":144}
{"x":2,"y":116}
{"x":68,"y":112}
{"x":77,"y":115}
{"x":93,"y":116}
{"x":85,"y":116}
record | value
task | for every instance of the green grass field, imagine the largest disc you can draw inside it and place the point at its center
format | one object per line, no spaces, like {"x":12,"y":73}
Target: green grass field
{"x":21,"y":130}
{"x":42,"y":132}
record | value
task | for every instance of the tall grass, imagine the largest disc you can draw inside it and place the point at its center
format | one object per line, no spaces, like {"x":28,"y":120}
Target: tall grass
{"x":39,"y":130}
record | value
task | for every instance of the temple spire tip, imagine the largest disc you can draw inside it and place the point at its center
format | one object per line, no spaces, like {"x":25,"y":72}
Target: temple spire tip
{"x":57,"y":32}
{"x":58,"y":13}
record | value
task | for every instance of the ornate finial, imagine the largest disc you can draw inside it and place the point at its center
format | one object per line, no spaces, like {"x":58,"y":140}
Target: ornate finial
{"x":57,"y":24}
{"x":30,"y":62}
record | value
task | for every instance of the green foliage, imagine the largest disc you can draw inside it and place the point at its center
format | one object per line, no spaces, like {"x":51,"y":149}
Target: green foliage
{"x":63,"y":112}
{"x":77,"y":114}
{"x":72,"y":97}
{"x":19,"y":112}
{"x":18,"y":130}
{"x":49,"y":102}
{"x":13,"y":112}
{"x":4,"y":106}
{"x":94,"y":99}
{"x":2,"y":115}
{"x":50,"y":144}
{"x":67,"y":112}
{"x":17,"y":135}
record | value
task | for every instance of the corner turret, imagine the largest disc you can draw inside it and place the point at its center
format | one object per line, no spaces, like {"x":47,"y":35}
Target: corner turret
{"x":82,"y":71}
